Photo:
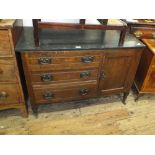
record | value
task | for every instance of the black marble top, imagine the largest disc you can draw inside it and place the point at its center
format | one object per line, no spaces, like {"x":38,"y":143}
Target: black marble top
{"x":57,"y":40}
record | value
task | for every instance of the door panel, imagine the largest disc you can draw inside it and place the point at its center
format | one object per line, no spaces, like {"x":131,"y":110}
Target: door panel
{"x":117,"y":71}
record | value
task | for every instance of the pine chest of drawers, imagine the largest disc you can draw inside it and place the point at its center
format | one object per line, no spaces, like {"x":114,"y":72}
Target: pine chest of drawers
{"x":11,"y":92}
{"x":145,"y":76}
{"x":58,"y":72}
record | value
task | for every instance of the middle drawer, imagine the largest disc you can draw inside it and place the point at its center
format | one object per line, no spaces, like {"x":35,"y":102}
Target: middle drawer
{"x":67,"y":76}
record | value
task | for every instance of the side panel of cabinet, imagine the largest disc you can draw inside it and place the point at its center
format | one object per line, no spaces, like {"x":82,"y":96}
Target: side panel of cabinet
{"x":118,"y":70}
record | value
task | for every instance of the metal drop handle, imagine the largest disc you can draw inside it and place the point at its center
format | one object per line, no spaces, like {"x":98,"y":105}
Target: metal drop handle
{"x":85,"y":74}
{"x":87,"y":59}
{"x":44,"y":60}
{"x":83,"y":91}
{"x":46,"y":77}
{"x":48,"y":95}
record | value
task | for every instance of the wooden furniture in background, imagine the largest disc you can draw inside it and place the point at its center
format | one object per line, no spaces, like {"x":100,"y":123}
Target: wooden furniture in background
{"x":144,"y":29}
{"x":11,"y":93}
{"x":145,"y":76}
{"x":38,"y":25}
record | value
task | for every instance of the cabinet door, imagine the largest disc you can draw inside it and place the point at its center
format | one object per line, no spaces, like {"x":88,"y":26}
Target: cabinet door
{"x":118,"y":70}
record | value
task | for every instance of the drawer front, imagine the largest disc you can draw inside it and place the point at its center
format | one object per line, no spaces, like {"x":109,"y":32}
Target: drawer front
{"x":7,"y":70}
{"x":149,"y":84}
{"x":66,"y":93}
{"x":69,"y":60}
{"x":143,"y":33}
{"x":5,"y":45}
{"x":69,"y":76}
{"x":9,"y":94}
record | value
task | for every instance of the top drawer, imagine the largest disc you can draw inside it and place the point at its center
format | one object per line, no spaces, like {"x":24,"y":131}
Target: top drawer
{"x":143,"y":32}
{"x":63,"y":60}
{"x":5,"y":46}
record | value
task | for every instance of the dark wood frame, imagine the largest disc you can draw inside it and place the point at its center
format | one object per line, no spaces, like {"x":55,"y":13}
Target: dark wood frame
{"x":38,"y":25}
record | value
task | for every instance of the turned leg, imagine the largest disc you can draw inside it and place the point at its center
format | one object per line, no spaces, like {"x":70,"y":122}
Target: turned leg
{"x":23,"y":111}
{"x":125,"y":97}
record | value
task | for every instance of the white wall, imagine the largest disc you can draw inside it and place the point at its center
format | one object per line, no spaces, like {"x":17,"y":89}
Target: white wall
{"x":28,"y":22}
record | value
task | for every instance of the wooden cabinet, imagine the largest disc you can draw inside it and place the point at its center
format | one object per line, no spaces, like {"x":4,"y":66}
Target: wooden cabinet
{"x":11,"y":92}
{"x":145,"y":76}
{"x":59,"y":76}
{"x":144,"y":29}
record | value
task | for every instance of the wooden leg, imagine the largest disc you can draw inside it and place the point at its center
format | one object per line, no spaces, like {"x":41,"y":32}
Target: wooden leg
{"x":35,"y":110}
{"x":23,"y":111}
{"x":138,"y":96}
{"x":125,"y":97}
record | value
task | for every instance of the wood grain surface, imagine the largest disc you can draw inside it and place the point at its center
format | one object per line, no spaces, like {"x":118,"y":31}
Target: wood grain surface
{"x":98,"y":116}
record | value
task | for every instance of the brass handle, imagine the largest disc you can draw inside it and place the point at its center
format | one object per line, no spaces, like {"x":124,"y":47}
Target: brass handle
{"x":153,"y":35}
{"x":85,"y":74}
{"x":138,"y":34}
{"x":3,"y":95}
{"x":46,"y":77}
{"x":103,"y":76}
{"x":44,"y":60}
{"x":48,"y":95}
{"x":83,"y":91}
{"x":87,"y":59}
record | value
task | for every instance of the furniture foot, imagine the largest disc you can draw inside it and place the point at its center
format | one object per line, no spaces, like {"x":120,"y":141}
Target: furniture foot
{"x":35,"y":110}
{"x":23,"y":111}
{"x":125,"y":97}
{"x":138,"y":96}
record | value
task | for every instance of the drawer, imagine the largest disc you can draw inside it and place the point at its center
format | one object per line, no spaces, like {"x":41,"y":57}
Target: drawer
{"x":68,"y":76}
{"x":7,"y":70}
{"x":62,"y":61}
{"x":149,"y":84}
{"x":5,"y":45}
{"x":68,"y":92}
{"x":9,"y":93}
{"x":143,"y":33}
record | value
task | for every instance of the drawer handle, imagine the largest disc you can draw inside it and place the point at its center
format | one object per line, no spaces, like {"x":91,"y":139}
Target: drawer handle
{"x":103,"y":76}
{"x":83,"y":91}
{"x":153,"y":35}
{"x":87,"y":59}
{"x":3,"y":95}
{"x":44,"y":60}
{"x":46,"y":77}
{"x":48,"y":96}
{"x":85,"y":74}
{"x":138,"y":34}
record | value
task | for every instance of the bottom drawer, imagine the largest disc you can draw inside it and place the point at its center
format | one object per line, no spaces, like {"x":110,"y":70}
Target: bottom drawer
{"x":9,"y":94}
{"x":61,"y":94}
